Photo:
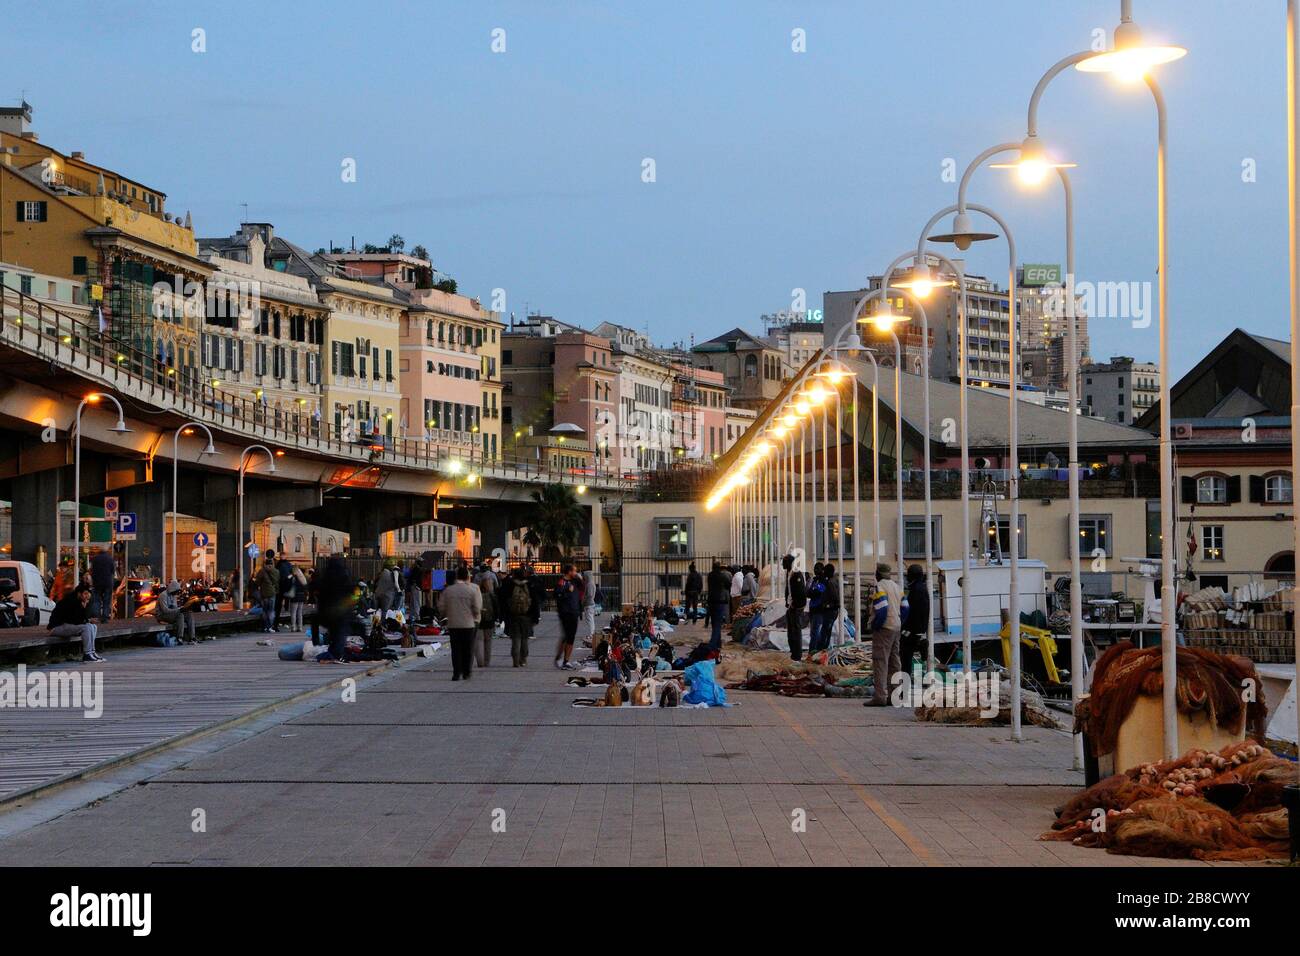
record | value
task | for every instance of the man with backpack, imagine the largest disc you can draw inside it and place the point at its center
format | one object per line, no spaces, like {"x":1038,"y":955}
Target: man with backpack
{"x":267,"y":584}
{"x":516,"y":602}
{"x":821,"y":640}
{"x":816,"y":605}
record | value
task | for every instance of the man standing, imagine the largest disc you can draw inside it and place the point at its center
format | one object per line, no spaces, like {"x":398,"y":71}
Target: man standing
{"x":821,"y":639}
{"x":267,"y":584}
{"x":285,"y":588}
{"x":71,"y":618}
{"x":886,"y":621}
{"x":915,"y":634}
{"x":694,"y":585}
{"x":568,"y":602}
{"x":103,"y":574}
{"x":796,"y":597}
{"x":737,"y":586}
{"x":589,"y":605}
{"x":461,"y":605}
{"x":335,"y":598}
{"x":515,"y":604}
{"x":719,"y":595}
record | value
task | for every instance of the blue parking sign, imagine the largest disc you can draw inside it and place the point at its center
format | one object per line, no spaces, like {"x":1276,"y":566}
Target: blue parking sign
{"x":126,"y":525}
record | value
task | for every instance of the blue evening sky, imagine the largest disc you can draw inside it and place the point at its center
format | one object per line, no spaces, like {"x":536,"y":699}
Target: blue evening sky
{"x":775,"y":170}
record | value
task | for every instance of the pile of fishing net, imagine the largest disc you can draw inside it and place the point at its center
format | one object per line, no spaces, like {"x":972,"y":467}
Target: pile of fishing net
{"x":1033,"y":710}
{"x":1208,"y":683}
{"x":737,"y":662}
{"x":1205,"y":805}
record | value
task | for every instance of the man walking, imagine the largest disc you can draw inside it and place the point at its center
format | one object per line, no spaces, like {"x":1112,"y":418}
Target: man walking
{"x":461,"y":605}
{"x":71,"y":618}
{"x":886,"y":621}
{"x":719,"y":594}
{"x":568,"y":602}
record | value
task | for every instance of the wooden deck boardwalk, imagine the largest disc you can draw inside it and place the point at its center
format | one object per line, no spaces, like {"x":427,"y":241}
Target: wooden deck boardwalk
{"x":152,"y":695}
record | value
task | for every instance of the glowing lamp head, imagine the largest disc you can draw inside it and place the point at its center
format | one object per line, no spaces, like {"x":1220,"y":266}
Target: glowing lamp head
{"x":789,"y":421}
{"x":1033,"y":165}
{"x":780,"y":431}
{"x":802,"y":407}
{"x":1131,"y":57}
{"x":455,"y":467}
{"x":884,"y":318}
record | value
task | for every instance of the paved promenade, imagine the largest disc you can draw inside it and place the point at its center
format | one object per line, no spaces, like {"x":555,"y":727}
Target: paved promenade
{"x":502,"y":770}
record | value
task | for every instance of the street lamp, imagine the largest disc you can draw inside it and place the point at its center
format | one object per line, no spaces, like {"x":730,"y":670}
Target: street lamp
{"x":245,"y":459}
{"x":210,"y":450}
{"x":1131,"y":59}
{"x":1013,"y":432}
{"x":120,"y":428}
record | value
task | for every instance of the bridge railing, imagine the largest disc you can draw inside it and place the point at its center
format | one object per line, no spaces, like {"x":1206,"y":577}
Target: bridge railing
{"x":35,"y":328}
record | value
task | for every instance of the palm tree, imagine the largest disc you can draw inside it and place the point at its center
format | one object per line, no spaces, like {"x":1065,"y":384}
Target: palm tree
{"x":557,"y":520}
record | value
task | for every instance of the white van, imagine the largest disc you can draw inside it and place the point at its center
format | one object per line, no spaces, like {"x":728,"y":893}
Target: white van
{"x":34,"y":606}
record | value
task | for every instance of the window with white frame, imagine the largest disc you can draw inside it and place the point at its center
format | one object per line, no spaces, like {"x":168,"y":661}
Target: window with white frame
{"x":1211,"y":490}
{"x":1278,"y":490}
{"x":673,"y":536}
{"x":1004,"y":536}
{"x":914,"y":536}
{"x":834,"y":537}
{"x":1094,"y":535}
{"x":1212,"y":542}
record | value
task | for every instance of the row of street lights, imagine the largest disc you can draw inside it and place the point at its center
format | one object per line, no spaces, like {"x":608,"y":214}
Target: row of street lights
{"x":1130,"y":58}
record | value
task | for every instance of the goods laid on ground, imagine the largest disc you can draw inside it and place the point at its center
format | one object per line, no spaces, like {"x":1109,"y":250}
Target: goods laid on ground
{"x":1255,"y":621}
{"x":639,"y":667}
{"x":1033,"y":709}
{"x":1209,"y":696}
{"x":1205,"y":805}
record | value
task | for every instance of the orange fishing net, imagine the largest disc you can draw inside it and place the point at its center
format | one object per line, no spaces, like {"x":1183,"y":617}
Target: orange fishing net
{"x":1205,"y":805}
{"x":1209,"y":683}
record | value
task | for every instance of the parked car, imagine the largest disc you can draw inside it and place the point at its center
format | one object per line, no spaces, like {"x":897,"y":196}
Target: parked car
{"x":34,"y":605}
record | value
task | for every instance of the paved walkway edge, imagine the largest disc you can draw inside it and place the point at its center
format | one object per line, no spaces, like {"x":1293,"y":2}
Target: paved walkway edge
{"x":217,"y":726}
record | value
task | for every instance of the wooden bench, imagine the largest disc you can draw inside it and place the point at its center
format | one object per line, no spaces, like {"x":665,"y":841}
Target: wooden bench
{"x":21,"y":638}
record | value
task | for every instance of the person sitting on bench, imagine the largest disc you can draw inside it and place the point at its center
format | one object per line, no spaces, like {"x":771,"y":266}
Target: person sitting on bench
{"x":71,"y":618}
{"x":174,"y":609}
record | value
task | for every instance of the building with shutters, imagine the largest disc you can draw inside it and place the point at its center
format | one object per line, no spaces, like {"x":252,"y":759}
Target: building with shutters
{"x":263,"y":330}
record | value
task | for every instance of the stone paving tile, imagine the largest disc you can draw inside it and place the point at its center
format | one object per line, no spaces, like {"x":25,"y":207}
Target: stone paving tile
{"x":418,"y":770}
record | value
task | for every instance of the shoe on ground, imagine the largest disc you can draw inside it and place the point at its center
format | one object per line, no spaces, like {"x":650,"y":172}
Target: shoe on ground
{"x":455,"y":677}
{"x":92,"y":658}
{"x":559,"y":665}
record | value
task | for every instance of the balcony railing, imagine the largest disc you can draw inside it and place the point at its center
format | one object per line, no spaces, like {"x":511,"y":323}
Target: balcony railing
{"x":31,"y":327}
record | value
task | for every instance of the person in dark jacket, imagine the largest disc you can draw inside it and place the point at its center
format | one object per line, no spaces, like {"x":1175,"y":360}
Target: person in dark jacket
{"x":568,"y":601}
{"x":796,"y":598}
{"x":820,"y":639}
{"x":71,"y":618}
{"x":285,"y":569}
{"x":515,"y":604}
{"x":103,"y":575}
{"x":915,"y":629}
{"x":719,"y":597}
{"x":691,"y":592}
{"x":335,"y":595}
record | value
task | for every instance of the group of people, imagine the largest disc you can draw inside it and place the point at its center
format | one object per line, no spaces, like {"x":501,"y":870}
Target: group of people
{"x":281,"y":587}
{"x":819,"y":595}
{"x":472,"y":610}
{"x":721,"y":595}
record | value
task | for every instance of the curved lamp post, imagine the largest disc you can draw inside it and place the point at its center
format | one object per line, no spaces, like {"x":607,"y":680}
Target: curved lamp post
{"x":245,"y":459}
{"x":210,"y":450}
{"x":120,"y":428}
{"x":1130,"y":59}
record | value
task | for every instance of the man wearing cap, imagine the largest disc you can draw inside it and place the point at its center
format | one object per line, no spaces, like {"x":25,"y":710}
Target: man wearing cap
{"x":171,"y":610}
{"x":885,"y":619}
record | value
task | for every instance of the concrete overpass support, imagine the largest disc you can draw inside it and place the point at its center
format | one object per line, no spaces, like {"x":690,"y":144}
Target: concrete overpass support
{"x":149,"y":502}
{"x":259,"y":504}
{"x":35,"y":507}
{"x":365,"y":516}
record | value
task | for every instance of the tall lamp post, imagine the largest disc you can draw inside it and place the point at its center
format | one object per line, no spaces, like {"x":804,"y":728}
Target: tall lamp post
{"x":245,"y":460}
{"x":210,"y":450}
{"x":1293,"y":214}
{"x":1130,"y":59}
{"x":92,"y":399}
